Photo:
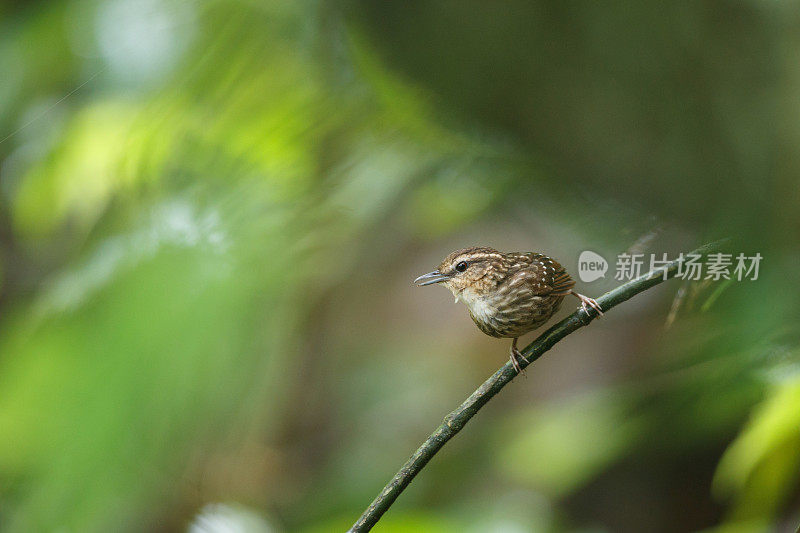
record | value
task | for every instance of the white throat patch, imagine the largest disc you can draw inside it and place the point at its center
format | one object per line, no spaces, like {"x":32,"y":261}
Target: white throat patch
{"x":480,"y":307}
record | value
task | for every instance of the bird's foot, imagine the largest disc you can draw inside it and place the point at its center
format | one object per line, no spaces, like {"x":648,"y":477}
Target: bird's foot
{"x":587,"y":302}
{"x":516,"y":355}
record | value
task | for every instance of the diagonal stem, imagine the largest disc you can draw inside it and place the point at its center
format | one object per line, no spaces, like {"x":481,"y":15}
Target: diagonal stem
{"x":456,"y":420}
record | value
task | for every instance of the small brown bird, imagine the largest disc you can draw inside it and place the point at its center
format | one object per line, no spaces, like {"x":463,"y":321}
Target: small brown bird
{"x":508,"y":294}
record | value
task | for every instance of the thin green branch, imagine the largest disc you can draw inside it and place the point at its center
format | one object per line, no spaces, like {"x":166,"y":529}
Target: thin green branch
{"x":456,"y":420}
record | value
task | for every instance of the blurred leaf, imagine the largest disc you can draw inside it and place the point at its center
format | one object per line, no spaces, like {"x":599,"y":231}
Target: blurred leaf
{"x":80,"y":176}
{"x":559,"y":446}
{"x":764,"y":460}
{"x":117,"y":382}
{"x":721,"y":287}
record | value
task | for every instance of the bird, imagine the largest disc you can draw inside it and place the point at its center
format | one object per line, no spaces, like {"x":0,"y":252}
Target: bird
{"x":508,"y":293}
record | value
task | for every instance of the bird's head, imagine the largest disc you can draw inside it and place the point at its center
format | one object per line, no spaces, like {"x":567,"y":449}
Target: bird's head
{"x":470,"y":270}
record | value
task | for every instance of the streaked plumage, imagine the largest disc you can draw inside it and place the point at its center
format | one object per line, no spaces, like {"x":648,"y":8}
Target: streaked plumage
{"x":508,"y":294}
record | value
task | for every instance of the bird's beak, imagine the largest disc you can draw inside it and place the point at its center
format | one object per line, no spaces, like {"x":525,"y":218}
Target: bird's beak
{"x":431,"y":277}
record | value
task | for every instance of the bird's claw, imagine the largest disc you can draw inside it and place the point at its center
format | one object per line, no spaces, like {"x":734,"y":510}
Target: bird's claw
{"x":587,"y":302}
{"x":516,"y":355}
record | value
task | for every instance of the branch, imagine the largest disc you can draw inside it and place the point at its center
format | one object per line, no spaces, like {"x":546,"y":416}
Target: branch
{"x":456,"y":420}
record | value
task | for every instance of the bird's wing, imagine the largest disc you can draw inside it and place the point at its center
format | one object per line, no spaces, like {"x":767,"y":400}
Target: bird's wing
{"x":562,"y":283}
{"x":544,"y":275}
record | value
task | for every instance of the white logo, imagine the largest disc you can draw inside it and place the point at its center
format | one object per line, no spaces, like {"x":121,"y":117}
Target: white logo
{"x":591,"y":266}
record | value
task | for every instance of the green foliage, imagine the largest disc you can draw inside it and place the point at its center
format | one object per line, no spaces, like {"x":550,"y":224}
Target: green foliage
{"x":562,"y":446}
{"x":760,"y":467}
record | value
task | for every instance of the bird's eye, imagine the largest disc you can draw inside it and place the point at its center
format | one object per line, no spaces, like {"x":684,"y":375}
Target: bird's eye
{"x":462,"y":266}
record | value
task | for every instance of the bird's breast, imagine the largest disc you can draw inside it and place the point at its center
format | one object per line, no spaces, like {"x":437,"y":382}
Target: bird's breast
{"x":482,"y":309}
{"x":500,"y":314}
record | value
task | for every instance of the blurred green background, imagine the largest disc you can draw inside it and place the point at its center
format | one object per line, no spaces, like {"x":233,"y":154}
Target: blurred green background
{"x":211,"y":213}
